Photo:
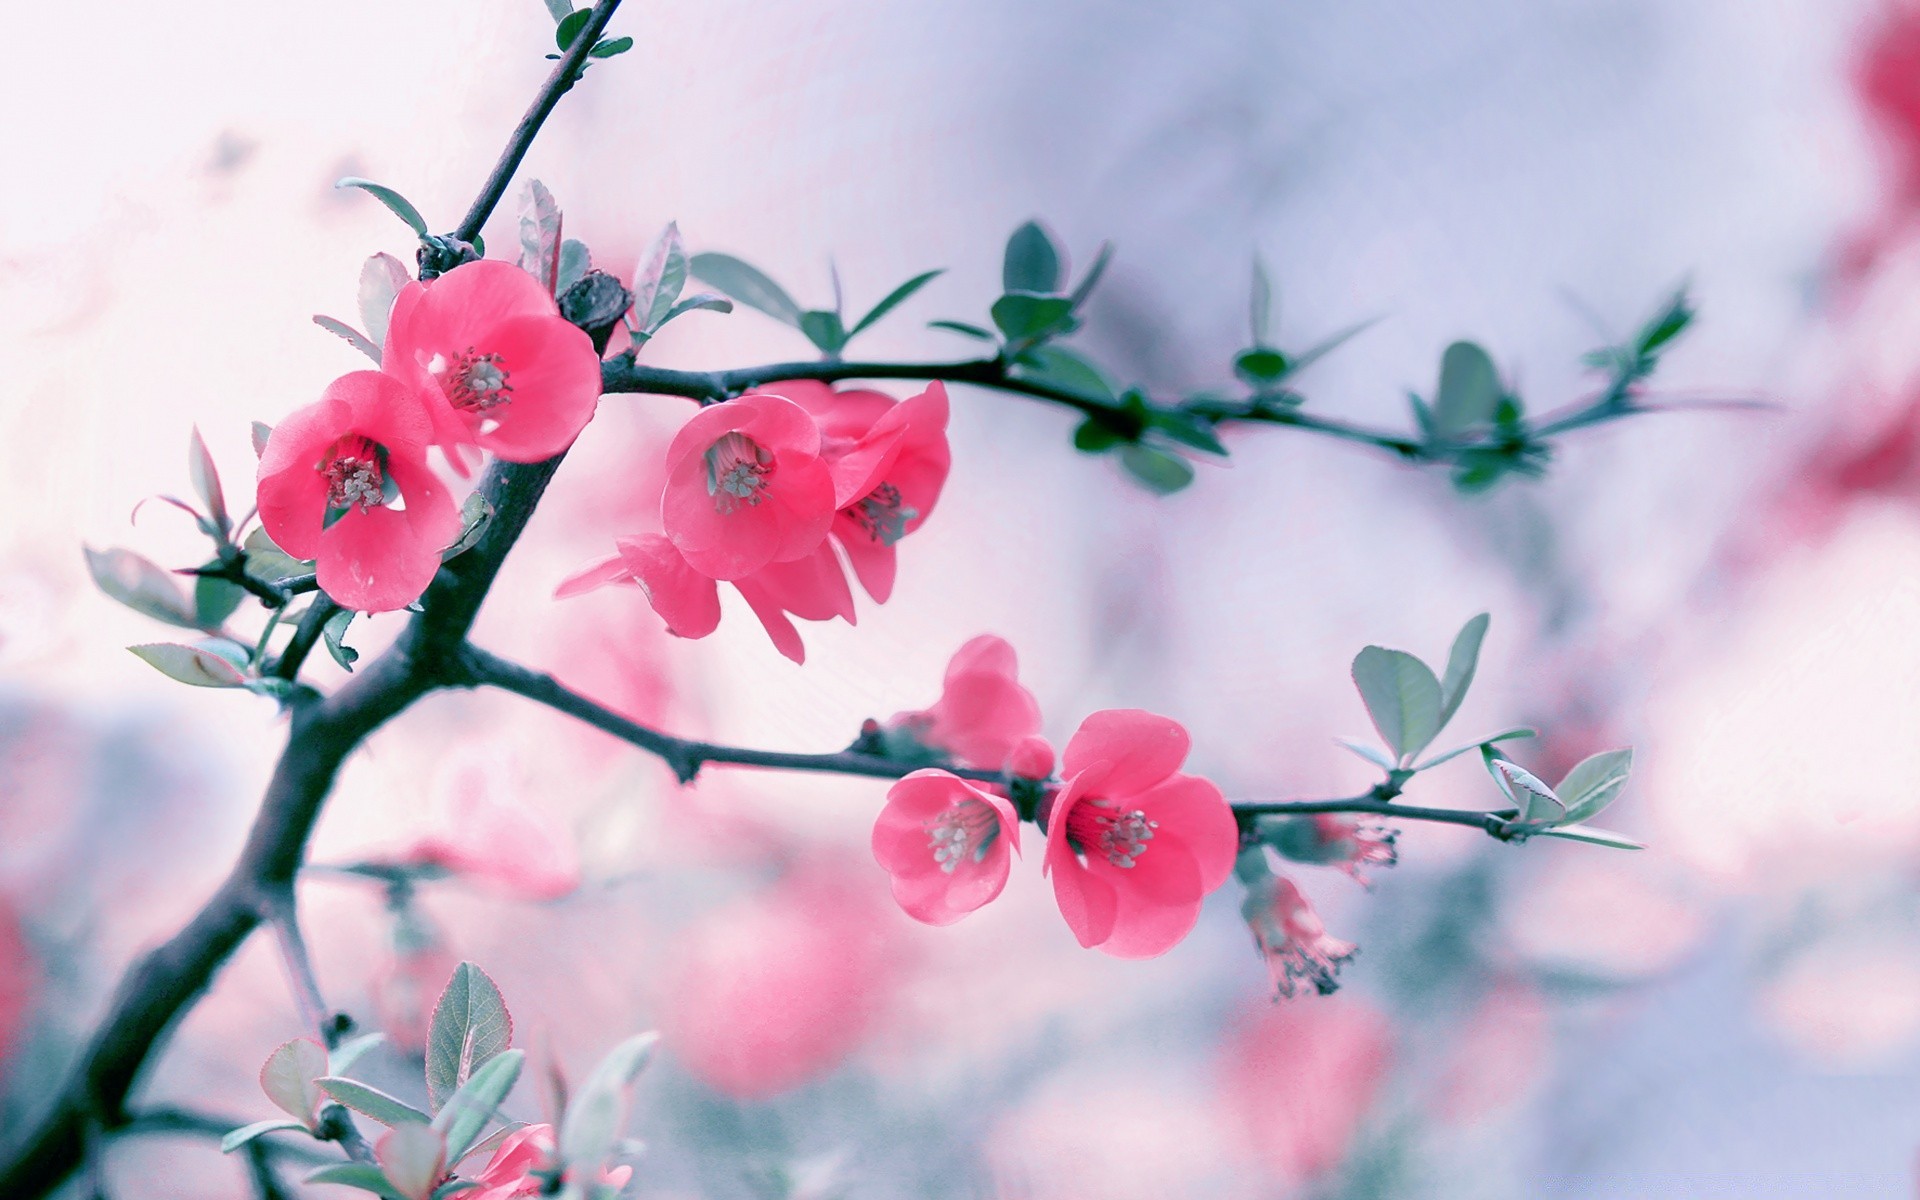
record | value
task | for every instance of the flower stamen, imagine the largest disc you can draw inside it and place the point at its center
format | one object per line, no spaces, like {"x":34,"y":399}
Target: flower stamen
{"x":737,"y":472}
{"x":355,"y":475}
{"x":964,"y":832}
{"x":882,"y":514}
{"x":475,"y":382}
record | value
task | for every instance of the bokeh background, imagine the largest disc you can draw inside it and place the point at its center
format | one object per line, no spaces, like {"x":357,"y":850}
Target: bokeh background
{"x":1734,"y":1012}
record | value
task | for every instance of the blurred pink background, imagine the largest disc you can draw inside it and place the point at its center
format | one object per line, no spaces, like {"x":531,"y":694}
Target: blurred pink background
{"x":1734,"y":1012}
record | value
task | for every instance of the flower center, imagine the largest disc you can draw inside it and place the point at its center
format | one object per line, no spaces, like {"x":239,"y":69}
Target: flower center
{"x":882,"y":514}
{"x":474,"y":382}
{"x":1096,"y":827}
{"x":963,"y":833}
{"x":737,"y":472}
{"x":355,"y":470}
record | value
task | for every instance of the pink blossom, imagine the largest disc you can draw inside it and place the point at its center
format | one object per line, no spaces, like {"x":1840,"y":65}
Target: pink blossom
{"x":1300,"y":1078}
{"x":811,"y":587}
{"x":345,"y":481}
{"x":1336,"y":839}
{"x":494,"y":361}
{"x":889,"y":460}
{"x":947,"y":844}
{"x":483,"y":833}
{"x":770,"y":991}
{"x":1292,"y":938}
{"x":1133,"y":845}
{"x":522,"y":1162}
{"x":746,"y":487}
{"x":983,"y":711}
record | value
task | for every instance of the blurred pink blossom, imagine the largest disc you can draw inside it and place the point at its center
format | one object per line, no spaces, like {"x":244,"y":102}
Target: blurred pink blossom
{"x":1292,"y":938}
{"x":1496,"y":1056}
{"x":483,"y":832}
{"x":1297,"y":1080}
{"x":983,"y":711}
{"x":1133,"y":845}
{"x":947,"y":844}
{"x":775,"y":989}
{"x":494,"y":362}
{"x":519,"y":1166}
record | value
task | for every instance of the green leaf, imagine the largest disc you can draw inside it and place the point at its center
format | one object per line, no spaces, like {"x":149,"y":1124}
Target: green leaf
{"x":262,"y":434}
{"x":699,"y":300}
{"x":246,"y":1133}
{"x":1529,"y":793}
{"x":608,"y":47}
{"x":1160,"y":472}
{"x":894,"y":299}
{"x":365,"y":1176}
{"x":1670,"y":322}
{"x":1594,"y":783}
{"x":1059,"y":367}
{"x":1594,"y":837}
{"x":399,"y":205}
{"x":288,"y":1079}
{"x":476,"y":513}
{"x":559,"y":9}
{"x":569,"y":27}
{"x":214,"y":600}
{"x":333,"y":631}
{"x":747,"y":284}
{"x":1402,"y":698}
{"x":470,"y":1025}
{"x":1032,"y":261}
{"x":1260,"y":366}
{"x":1505,"y":735}
{"x":1260,"y":306}
{"x":1461,"y":662}
{"x":1314,"y":354}
{"x":206,"y":481}
{"x":190,"y":665}
{"x":1094,"y":437}
{"x":1023,"y":316}
{"x":1188,"y":430}
{"x":824,"y":330}
{"x":595,"y":1116}
{"x":351,"y":1051}
{"x":140,"y":585}
{"x":371,"y":1101}
{"x":340,"y":329}
{"x":1088,"y":281}
{"x":468,"y":1110}
{"x":1372,"y":754}
{"x":963,"y":329}
{"x":575,"y":261}
{"x":381,"y":278}
{"x":268,"y":562}
{"x":659,"y":279}
{"x":540,"y":236}
{"x":1469,"y":390}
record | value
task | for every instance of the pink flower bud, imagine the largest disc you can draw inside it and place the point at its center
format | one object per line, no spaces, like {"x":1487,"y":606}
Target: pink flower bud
{"x":1032,"y":758}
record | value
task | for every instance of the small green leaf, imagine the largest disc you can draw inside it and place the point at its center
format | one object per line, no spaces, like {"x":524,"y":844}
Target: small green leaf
{"x":1505,"y":735}
{"x":1260,"y":306}
{"x":333,"y":631}
{"x":470,"y":1025}
{"x":1188,"y":429}
{"x":206,"y":481}
{"x":608,"y":47}
{"x":659,"y":279}
{"x":1594,"y":783}
{"x":1372,"y":754}
{"x":824,"y":330}
{"x":412,"y":1157}
{"x":1670,"y":322}
{"x":963,"y":329}
{"x":353,"y":337}
{"x":1059,"y":367}
{"x":1461,"y":662}
{"x":399,"y":205}
{"x":747,"y":284}
{"x":246,"y":1133}
{"x":569,"y":27}
{"x":1094,"y":437}
{"x":1469,"y":390}
{"x":575,"y":261}
{"x":381,"y":278}
{"x":1023,"y":316}
{"x":699,"y":300}
{"x":190,"y":665}
{"x":1160,"y":472}
{"x":468,"y":1110}
{"x":214,"y":600}
{"x":341,"y":1059}
{"x":364,"y":1176}
{"x":1594,"y":837}
{"x":595,"y":1116}
{"x":1314,"y":354}
{"x":894,"y":299}
{"x":1032,"y":261}
{"x":476,"y":513}
{"x":540,"y":233}
{"x":559,"y":9}
{"x":1402,"y":698}
{"x":262,"y":434}
{"x":268,"y":562}
{"x":1260,"y":366}
{"x":140,"y":585}
{"x":288,"y":1079}
{"x":1529,"y":793}
{"x":371,"y":1101}
{"x":1092,"y":278}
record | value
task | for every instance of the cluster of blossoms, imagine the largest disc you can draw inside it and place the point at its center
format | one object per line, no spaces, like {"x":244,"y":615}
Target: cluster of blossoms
{"x":478,"y":359}
{"x":762,"y":488}
{"x":1133,"y":845}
